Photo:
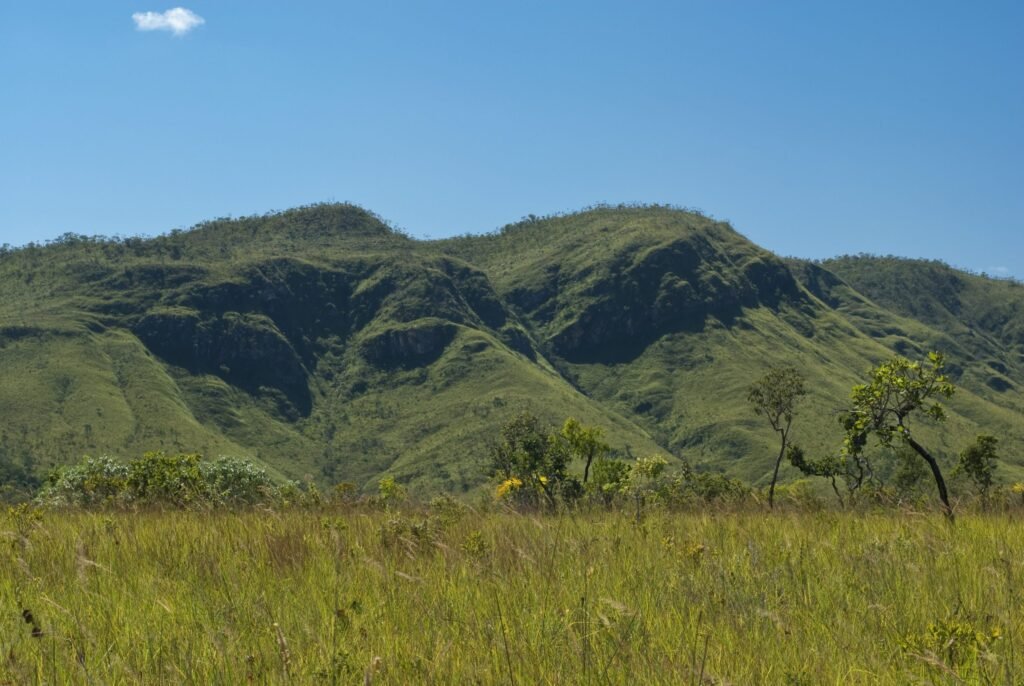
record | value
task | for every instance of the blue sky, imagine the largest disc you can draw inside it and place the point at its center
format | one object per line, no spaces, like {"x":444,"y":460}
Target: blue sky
{"x":816,"y":128}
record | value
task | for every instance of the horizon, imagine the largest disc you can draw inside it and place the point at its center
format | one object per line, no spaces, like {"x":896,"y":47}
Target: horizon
{"x":813,"y":131}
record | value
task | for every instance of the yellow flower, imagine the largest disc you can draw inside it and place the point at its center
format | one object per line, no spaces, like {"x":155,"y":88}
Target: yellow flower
{"x":1018,"y":487}
{"x":507,"y":486}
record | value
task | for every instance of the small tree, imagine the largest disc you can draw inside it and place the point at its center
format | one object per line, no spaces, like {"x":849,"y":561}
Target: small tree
{"x":775,"y":396}
{"x":897,"y":389}
{"x":390,"y":493}
{"x":978,"y":462}
{"x":610,"y":479}
{"x":585,"y":443}
{"x":645,"y":479}
{"x":526,"y":453}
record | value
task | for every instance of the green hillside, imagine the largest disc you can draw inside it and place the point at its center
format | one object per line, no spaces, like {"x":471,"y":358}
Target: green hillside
{"x":332,"y":347}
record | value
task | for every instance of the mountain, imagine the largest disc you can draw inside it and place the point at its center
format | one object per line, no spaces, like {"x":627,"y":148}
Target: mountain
{"x":333,"y":347}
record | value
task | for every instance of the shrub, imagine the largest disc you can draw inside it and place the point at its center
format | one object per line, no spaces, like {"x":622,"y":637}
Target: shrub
{"x":95,"y":481}
{"x":345,"y":493}
{"x":233,"y":481}
{"x":645,"y":480}
{"x":169,"y":479}
{"x":713,"y":487}
{"x":390,"y":493}
{"x":157,"y":478}
{"x":608,"y":479}
{"x":978,"y":462}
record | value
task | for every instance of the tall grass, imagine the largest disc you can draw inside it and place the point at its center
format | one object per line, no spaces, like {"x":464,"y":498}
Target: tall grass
{"x":453,"y":598}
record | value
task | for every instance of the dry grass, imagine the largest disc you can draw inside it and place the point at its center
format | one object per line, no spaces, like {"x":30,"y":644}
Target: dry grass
{"x":385,"y":598}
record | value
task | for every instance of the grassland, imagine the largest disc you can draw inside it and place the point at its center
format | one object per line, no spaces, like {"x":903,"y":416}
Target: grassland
{"x":453,"y":596}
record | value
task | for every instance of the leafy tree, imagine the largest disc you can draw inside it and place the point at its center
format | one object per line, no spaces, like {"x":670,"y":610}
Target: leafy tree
{"x":527,"y":453}
{"x":585,"y":443}
{"x":898,"y":389}
{"x":978,"y":462}
{"x":775,"y":396}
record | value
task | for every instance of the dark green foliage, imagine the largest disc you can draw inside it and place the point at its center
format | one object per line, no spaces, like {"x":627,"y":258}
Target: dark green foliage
{"x":17,"y":482}
{"x":910,"y":473}
{"x":161,"y":478}
{"x":706,"y":487}
{"x":978,"y":462}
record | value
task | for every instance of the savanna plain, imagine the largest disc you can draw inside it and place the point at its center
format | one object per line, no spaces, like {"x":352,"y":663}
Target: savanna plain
{"x":454,"y":594}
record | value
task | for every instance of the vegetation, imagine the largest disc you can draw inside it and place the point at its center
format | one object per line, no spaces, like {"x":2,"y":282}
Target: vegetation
{"x":451,"y":595}
{"x":585,"y":443}
{"x":978,"y":462}
{"x":575,"y":390}
{"x":330,"y":347}
{"x":775,"y":396}
{"x":177,"y":481}
{"x":897,"y":389}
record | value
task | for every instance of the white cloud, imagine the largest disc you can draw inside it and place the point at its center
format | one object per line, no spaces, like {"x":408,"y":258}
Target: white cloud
{"x":999,"y":271}
{"x":178,"y":21}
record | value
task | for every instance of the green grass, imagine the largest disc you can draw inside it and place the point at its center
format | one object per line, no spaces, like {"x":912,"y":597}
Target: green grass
{"x":497,"y":597}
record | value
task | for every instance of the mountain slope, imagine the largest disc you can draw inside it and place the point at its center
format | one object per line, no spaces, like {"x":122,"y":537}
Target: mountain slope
{"x":318,"y":340}
{"x":332,"y":347}
{"x":667,"y":317}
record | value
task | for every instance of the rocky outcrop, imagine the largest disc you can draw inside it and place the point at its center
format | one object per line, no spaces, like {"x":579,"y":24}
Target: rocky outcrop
{"x":246,"y":350}
{"x":670,"y":288}
{"x":415,"y":345}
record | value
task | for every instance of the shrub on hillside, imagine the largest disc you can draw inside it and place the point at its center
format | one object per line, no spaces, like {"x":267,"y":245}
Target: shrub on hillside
{"x":233,"y":481}
{"x":608,"y":479}
{"x":157,"y":478}
{"x":169,"y":479}
{"x":95,"y":481}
